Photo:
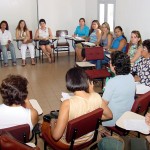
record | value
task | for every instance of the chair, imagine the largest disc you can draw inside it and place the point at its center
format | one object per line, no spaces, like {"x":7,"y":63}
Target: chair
{"x":77,"y":128}
{"x":8,"y":142}
{"x":96,"y":53}
{"x":127,"y":48}
{"x":62,"y":44}
{"x":140,"y":106}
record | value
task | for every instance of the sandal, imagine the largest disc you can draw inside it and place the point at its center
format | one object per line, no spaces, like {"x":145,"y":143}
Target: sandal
{"x":23,"y":63}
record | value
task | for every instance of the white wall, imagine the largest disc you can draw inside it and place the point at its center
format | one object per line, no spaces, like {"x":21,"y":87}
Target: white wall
{"x":14,"y":10}
{"x":133,"y":15}
{"x":62,"y":14}
{"x":130,"y":14}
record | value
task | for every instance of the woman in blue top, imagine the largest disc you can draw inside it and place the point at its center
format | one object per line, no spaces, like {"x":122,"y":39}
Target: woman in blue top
{"x":119,"y":43}
{"x":82,"y":30}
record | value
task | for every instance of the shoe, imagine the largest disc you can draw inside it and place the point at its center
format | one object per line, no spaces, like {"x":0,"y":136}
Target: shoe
{"x":14,"y":64}
{"x":5,"y":65}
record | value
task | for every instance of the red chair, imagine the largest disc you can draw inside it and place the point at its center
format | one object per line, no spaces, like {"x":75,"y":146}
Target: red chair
{"x":140,"y":106}
{"x":96,"y":53}
{"x":20,"y":132}
{"x":77,"y":128}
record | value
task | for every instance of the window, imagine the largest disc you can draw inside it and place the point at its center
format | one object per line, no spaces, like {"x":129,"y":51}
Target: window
{"x":106,"y":12}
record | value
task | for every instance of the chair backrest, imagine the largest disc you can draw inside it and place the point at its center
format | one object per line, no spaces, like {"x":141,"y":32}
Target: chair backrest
{"x":20,"y":132}
{"x":141,"y":104}
{"x":94,"y":53}
{"x":30,"y":34}
{"x":83,"y":124}
{"x":127,"y":48}
{"x":61,"y":33}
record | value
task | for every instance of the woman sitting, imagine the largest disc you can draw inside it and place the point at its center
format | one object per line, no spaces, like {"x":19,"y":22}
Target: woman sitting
{"x":141,"y":70}
{"x":16,"y":108}
{"x":94,"y":37}
{"x":120,"y":41}
{"x":44,"y":34}
{"x":135,"y":47}
{"x":106,"y":36}
{"x":120,"y":90}
{"x":22,"y":33}
{"x":82,"y":30}
{"x":6,"y":43}
{"x":84,"y":101}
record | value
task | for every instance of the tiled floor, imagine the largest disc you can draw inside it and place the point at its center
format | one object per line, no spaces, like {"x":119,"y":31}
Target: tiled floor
{"x":46,"y":82}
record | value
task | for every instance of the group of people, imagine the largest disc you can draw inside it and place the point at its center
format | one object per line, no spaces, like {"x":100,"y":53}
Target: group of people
{"x":119,"y":93}
{"x":43,"y":35}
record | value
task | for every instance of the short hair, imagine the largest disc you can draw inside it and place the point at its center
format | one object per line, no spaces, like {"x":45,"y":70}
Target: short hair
{"x":82,"y":19}
{"x":13,"y":90}
{"x":42,"y":20}
{"x":121,"y":62}
{"x":7,"y":27}
{"x":77,"y":80}
{"x":146,"y":43}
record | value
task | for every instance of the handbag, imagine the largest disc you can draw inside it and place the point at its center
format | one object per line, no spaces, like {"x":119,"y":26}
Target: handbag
{"x":43,"y":42}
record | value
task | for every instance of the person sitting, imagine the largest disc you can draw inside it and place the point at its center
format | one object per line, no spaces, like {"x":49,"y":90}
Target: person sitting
{"x":16,"y":108}
{"x":106,"y":36}
{"x":82,"y":30}
{"x":22,"y":33}
{"x":135,"y":47}
{"x":120,"y":41}
{"x":6,"y":43}
{"x":94,"y":37}
{"x":141,"y":70}
{"x":120,"y":90}
{"x":84,"y":101}
{"x":44,"y":34}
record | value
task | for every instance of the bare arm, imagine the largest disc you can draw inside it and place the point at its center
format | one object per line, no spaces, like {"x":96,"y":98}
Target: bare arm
{"x":34,"y":113}
{"x":107,"y":114}
{"x":58,"y":128}
{"x":50,"y":33}
{"x":17,"y":35}
{"x":137,"y":55}
{"x":36,"y":37}
{"x":98,"y":34}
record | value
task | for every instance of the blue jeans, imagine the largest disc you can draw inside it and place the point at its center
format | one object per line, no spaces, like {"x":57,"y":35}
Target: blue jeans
{"x":97,"y":63}
{"x":12,"y":51}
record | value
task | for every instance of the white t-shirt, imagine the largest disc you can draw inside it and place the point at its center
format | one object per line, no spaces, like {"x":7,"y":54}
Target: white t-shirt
{"x":4,"y":37}
{"x":13,"y":116}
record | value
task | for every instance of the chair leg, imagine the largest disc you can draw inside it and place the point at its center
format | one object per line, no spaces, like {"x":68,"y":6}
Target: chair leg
{"x":45,"y":145}
{"x":57,"y":54}
{"x":42,"y":57}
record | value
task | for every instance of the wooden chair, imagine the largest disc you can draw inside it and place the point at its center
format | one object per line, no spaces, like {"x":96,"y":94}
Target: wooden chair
{"x":96,"y":53}
{"x":77,"y":128}
{"x":62,"y":45}
{"x":140,"y":106}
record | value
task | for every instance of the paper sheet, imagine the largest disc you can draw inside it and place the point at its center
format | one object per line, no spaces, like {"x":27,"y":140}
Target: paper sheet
{"x":88,"y":43}
{"x":141,"y":88}
{"x":66,"y":96}
{"x":136,"y":125}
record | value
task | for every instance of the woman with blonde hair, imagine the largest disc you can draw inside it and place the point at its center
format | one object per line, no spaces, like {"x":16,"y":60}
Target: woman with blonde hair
{"x":135,"y":46}
{"x":106,"y":36}
{"x":22,"y":33}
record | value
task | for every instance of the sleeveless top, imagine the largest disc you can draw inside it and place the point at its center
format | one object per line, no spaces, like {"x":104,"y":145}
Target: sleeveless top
{"x":43,"y":33}
{"x":132,"y":50}
{"x":104,"y":42}
{"x":22,"y":34}
{"x":13,"y":116}
{"x":80,"y":106}
{"x":93,"y":37}
{"x":116,"y":43}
